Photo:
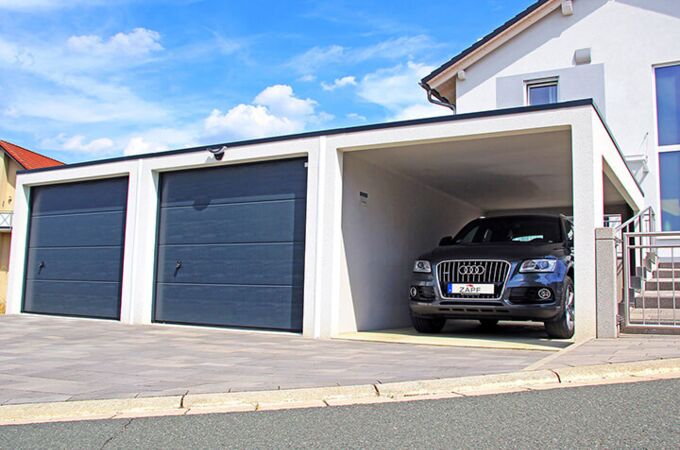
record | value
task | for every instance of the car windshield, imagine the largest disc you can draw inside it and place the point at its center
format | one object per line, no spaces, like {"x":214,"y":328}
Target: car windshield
{"x":510,"y":230}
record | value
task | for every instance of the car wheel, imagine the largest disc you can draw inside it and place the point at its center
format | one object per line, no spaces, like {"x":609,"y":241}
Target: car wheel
{"x":563,"y":326}
{"x":488,"y":323}
{"x":424,"y":325}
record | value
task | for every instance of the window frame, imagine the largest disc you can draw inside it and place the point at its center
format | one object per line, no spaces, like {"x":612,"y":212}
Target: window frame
{"x":661,"y":148}
{"x":541,"y":82}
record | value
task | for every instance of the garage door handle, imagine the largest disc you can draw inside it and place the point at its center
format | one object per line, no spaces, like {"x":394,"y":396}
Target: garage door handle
{"x":41,"y":266}
{"x":178,"y":265}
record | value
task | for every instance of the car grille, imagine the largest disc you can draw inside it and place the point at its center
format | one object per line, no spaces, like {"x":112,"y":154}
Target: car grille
{"x":472,"y":271}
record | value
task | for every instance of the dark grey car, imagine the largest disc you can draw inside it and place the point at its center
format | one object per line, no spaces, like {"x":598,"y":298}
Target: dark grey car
{"x":500,"y":268}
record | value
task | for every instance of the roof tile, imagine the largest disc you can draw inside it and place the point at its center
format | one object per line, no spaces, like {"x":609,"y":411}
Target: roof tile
{"x":28,"y":159}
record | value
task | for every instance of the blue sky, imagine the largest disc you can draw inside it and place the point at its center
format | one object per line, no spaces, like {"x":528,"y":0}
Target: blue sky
{"x":90,"y":79}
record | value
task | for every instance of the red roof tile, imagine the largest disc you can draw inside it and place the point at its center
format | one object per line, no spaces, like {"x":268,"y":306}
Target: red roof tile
{"x":28,"y":159}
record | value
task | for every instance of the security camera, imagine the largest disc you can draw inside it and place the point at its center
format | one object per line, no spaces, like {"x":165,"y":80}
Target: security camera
{"x":218,"y":153}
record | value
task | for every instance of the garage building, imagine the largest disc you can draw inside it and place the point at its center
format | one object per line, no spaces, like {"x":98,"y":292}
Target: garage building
{"x":313,"y":233}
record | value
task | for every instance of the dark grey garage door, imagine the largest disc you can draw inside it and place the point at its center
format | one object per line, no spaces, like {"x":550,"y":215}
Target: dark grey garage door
{"x":231,"y":246}
{"x":75,"y":249}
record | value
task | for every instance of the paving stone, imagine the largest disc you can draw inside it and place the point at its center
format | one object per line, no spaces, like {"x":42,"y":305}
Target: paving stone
{"x":51,"y":359}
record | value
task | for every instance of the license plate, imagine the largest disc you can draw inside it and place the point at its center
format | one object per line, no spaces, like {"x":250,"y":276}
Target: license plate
{"x":470,"y":289}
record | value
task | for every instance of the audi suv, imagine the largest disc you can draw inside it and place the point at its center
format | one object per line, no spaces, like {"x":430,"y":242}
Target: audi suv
{"x":499,"y":268}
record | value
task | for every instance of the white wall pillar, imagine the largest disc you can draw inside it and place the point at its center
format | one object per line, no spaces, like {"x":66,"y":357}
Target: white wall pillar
{"x":328,"y":239}
{"x":140,"y":247}
{"x":17,"y":261}
{"x":588,"y":214}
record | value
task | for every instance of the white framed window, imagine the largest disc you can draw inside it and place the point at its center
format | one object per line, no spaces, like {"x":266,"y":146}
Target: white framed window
{"x":667,"y":79}
{"x":667,"y":85}
{"x":541,"y":92}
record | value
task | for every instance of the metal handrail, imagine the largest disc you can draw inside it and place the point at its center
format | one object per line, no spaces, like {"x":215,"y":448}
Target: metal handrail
{"x":638,"y":217}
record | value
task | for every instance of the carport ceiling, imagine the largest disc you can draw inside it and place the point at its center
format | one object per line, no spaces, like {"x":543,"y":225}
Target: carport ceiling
{"x":524,"y":171}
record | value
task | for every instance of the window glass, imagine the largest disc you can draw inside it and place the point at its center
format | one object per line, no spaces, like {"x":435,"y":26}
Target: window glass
{"x":520,"y":229}
{"x":570,"y":231}
{"x":668,"y":104}
{"x":542,"y":94}
{"x":669,"y":171}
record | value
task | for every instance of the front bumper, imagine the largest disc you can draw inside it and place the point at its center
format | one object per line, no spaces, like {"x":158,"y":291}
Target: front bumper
{"x":518,"y":301}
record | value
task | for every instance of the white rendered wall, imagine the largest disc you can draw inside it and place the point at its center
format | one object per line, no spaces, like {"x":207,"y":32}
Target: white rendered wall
{"x":401,"y":220}
{"x":627,"y":37}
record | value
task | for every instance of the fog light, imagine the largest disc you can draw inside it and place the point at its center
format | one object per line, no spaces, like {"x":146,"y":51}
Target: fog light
{"x":544,"y":294}
{"x":413,"y":292}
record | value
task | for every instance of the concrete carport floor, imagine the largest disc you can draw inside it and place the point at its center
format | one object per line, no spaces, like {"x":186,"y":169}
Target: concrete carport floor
{"x":399,"y":201}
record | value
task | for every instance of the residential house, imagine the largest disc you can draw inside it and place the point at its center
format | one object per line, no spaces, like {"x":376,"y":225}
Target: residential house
{"x":14,"y":158}
{"x":624,"y":54}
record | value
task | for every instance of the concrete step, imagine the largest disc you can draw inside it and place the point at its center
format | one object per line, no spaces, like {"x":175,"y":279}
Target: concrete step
{"x":663,"y":284}
{"x":651,"y":300}
{"x":666,"y":273}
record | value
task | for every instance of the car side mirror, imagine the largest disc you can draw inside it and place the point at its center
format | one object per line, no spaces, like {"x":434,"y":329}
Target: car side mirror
{"x":446,"y":240}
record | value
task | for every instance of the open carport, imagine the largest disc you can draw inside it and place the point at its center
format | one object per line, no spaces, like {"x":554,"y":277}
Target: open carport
{"x":399,"y":199}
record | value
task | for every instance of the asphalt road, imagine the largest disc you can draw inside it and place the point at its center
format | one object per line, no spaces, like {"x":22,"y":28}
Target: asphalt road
{"x":640,"y":415}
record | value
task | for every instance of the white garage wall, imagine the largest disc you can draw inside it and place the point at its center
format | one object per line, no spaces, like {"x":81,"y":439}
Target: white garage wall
{"x":401,"y":220}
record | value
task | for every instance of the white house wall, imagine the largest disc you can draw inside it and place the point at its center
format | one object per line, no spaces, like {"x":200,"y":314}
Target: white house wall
{"x":626,"y":37}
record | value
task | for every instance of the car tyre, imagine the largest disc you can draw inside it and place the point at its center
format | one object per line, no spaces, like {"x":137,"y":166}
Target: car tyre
{"x":563,"y":326}
{"x":428,"y":325}
{"x":488,"y":323}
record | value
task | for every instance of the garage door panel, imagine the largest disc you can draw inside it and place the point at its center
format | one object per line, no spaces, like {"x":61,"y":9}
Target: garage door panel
{"x":265,"y":264}
{"x":74,"y":263}
{"x":239,"y":233}
{"x":188,"y":188}
{"x":252,"y":306}
{"x":86,"y":299}
{"x":71,"y":198}
{"x":79,"y":230}
{"x":234,"y":223}
{"x":75,"y":249}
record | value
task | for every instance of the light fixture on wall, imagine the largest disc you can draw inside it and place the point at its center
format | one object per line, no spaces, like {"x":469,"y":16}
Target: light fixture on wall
{"x":218,"y":152}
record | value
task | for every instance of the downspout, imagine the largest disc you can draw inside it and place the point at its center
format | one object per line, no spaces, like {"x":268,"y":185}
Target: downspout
{"x":436,"y":99}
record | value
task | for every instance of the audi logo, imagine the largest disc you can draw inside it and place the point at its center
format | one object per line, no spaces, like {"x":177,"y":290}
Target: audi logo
{"x":471,"y":270}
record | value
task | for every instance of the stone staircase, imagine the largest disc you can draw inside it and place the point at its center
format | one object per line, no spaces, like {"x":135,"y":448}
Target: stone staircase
{"x":658,"y":300}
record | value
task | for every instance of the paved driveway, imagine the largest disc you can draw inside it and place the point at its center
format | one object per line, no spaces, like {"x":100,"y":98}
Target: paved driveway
{"x":53,"y":359}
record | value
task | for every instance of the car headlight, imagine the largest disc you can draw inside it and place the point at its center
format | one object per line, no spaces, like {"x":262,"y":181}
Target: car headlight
{"x":538,"y":265}
{"x":422,"y":266}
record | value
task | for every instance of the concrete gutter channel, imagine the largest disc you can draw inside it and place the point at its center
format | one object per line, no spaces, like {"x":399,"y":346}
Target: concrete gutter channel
{"x":339,"y":395}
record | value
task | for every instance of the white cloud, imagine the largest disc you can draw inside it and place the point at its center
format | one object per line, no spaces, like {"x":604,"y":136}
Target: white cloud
{"x":246,"y":121}
{"x":138,"y":42}
{"x":78,"y":144}
{"x":338,"y":83}
{"x":317,"y":57}
{"x":281,"y":100}
{"x":51,"y":81}
{"x":357,"y":117}
{"x":396,"y":89}
{"x":138,"y":144}
{"x":163,"y":138}
{"x":420,"y":112}
{"x":276,"y":110}
{"x":27,"y":5}
{"x":307,"y":78}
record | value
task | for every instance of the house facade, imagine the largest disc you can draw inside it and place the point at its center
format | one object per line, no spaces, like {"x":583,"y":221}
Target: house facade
{"x":13,"y":159}
{"x":316,"y":233}
{"x":624,"y":54}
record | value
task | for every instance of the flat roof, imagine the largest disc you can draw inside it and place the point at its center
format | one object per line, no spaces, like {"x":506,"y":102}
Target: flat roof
{"x":334,"y":131}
